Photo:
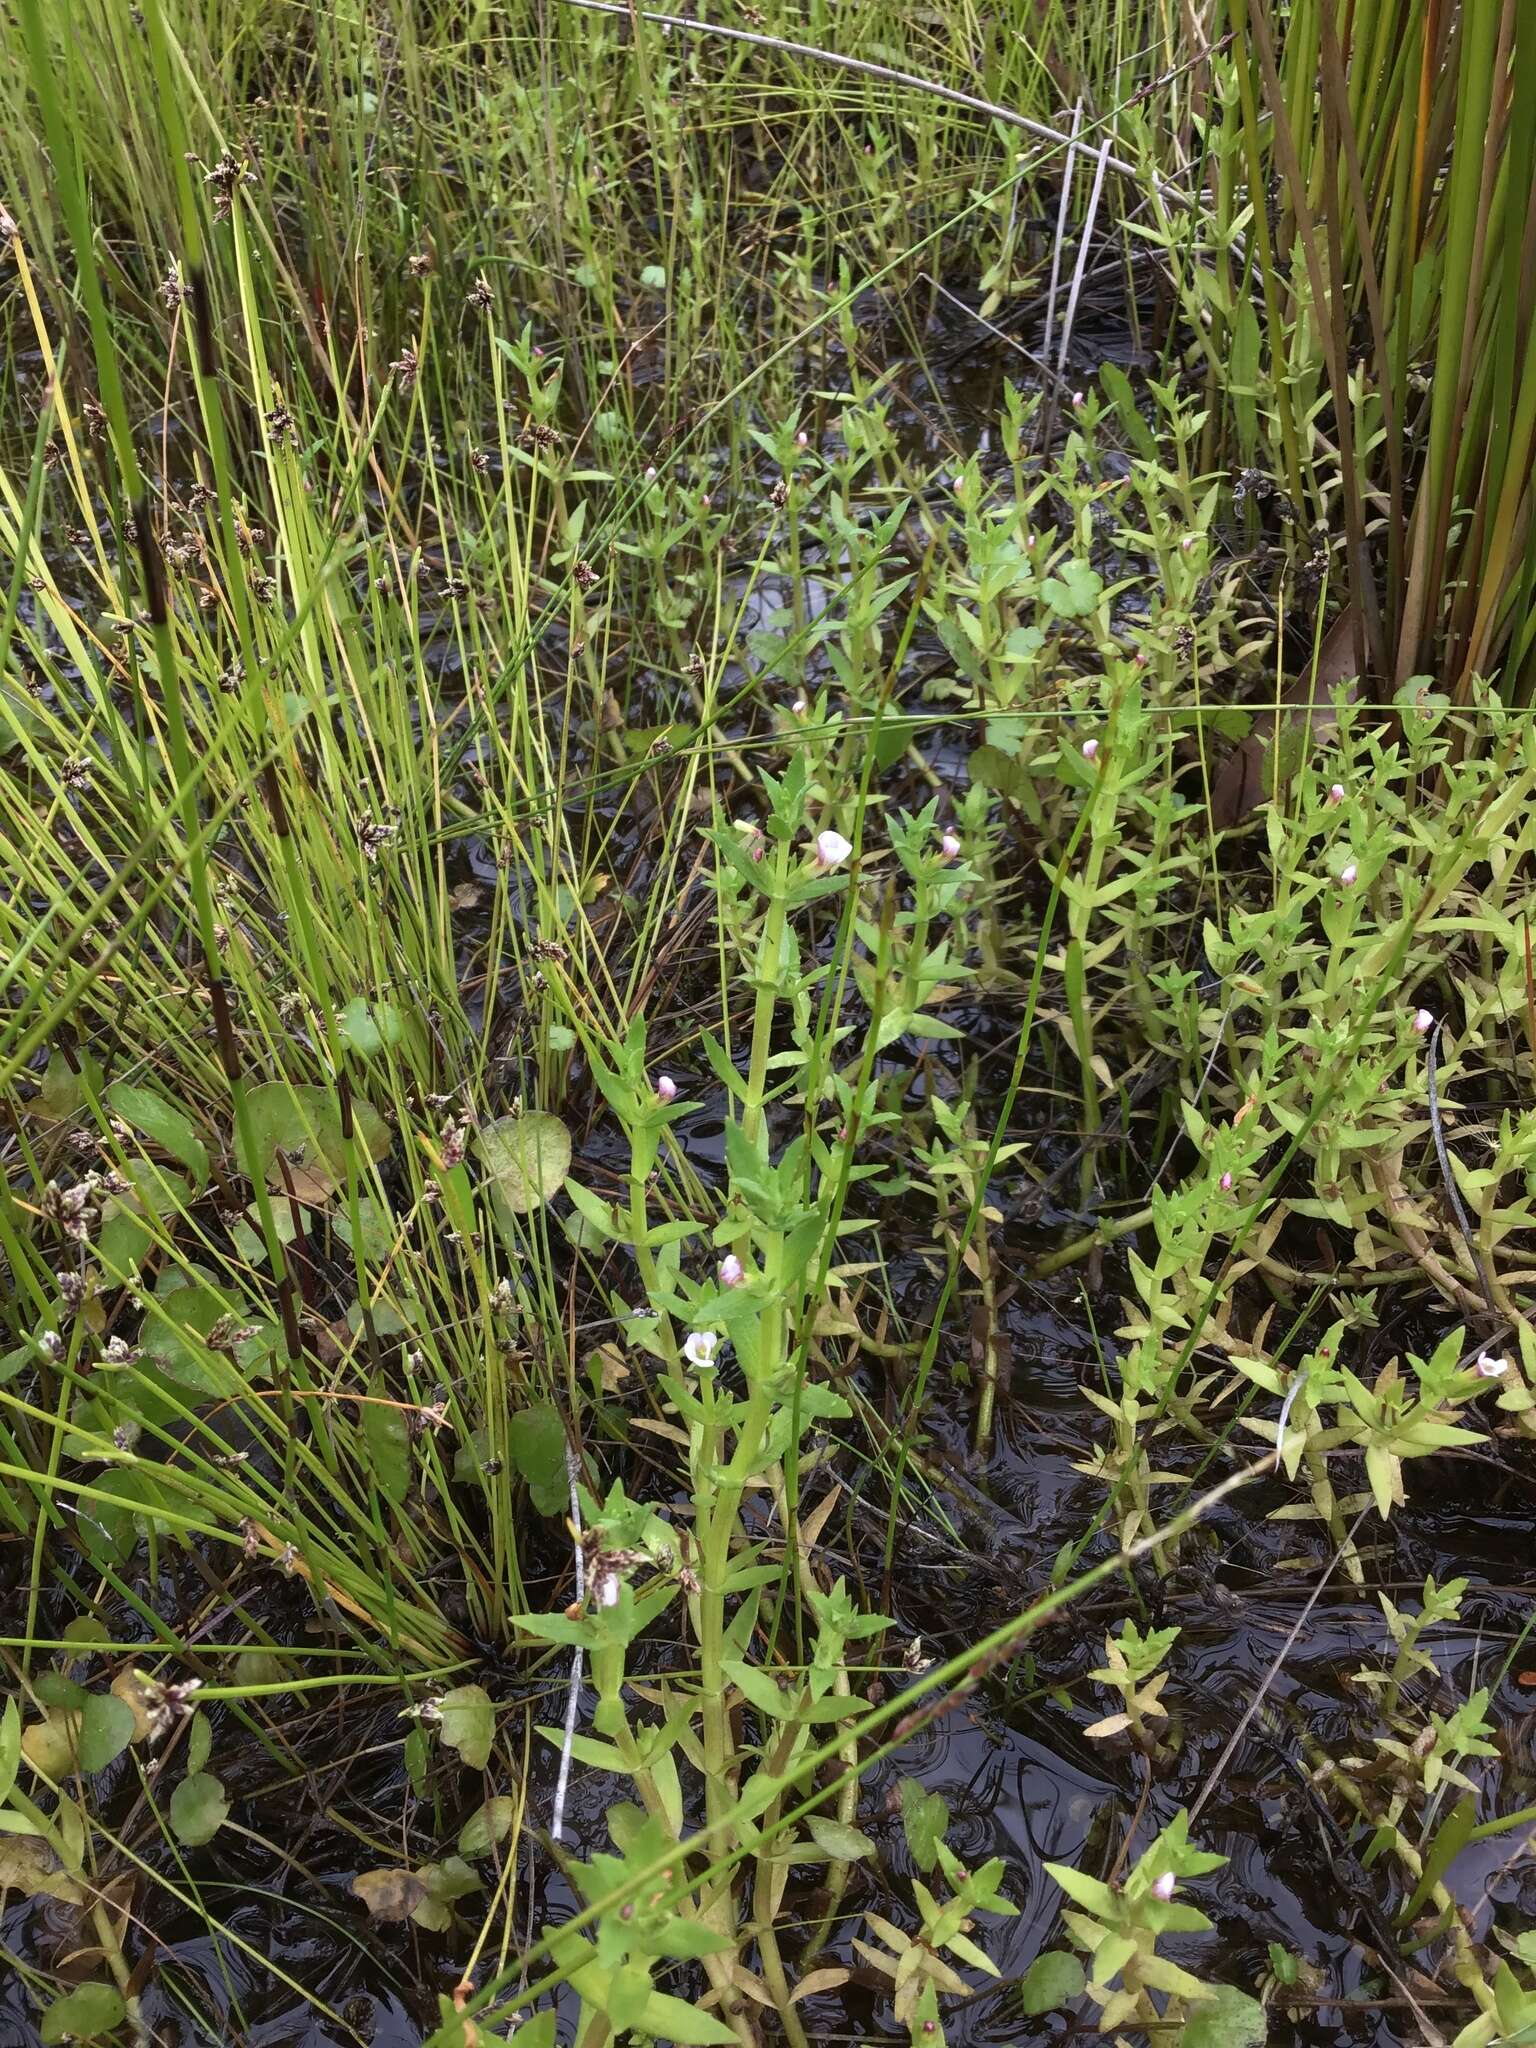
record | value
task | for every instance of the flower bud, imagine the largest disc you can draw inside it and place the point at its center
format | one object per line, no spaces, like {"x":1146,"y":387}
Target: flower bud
{"x":1423,"y":1020}
{"x":732,"y":1272}
{"x":666,"y":1088}
{"x":1090,"y":750}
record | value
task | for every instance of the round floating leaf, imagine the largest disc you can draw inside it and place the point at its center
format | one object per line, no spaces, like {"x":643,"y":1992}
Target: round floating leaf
{"x":198,"y":1809}
{"x":389,"y":1894}
{"x":1053,"y":1979}
{"x":30,"y":1867}
{"x":106,"y":1729}
{"x":126,"y":1234}
{"x":367,"y":1028}
{"x":527,"y":1157}
{"x":192,"y":1307}
{"x":84,"y":2014}
{"x":483,"y":1830}
{"x":536,"y":1441}
{"x":843,"y":1843}
{"x":162,"y":1123}
{"x":49,"y":1746}
{"x":135,"y":1696}
{"x":443,"y":1883}
{"x":303,"y":1121}
{"x":468,"y":1723}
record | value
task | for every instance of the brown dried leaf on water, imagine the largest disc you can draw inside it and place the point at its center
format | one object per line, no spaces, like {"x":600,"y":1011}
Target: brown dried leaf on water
{"x":49,"y":1745}
{"x":833,"y":1978}
{"x":29,"y":1866}
{"x":389,"y":1894}
{"x":1244,"y":780}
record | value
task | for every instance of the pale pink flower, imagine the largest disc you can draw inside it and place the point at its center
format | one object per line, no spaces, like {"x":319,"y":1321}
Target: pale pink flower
{"x":666,"y":1088}
{"x":1423,"y":1020}
{"x":1226,"y":1183}
{"x":1336,"y":793}
{"x":732,"y":1272}
{"x":1348,"y":874}
{"x":1489,"y":1367}
{"x":699,"y":1349}
{"x":832,"y":849}
{"x":949,"y":846}
{"x":1090,"y":750}
{"x":1162,"y":1887}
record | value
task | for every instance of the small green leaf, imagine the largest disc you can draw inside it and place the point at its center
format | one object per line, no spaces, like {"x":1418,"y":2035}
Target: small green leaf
{"x":84,"y":2014}
{"x":539,"y":2032}
{"x":198,"y":1809}
{"x":303,"y":1121}
{"x":671,"y":2019}
{"x":924,"y":1817}
{"x":368,"y":1028}
{"x":10,"y":1748}
{"x":1053,"y":1979}
{"x":468,"y":1724}
{"x":1231,"y":2019}
{"x":843,"y":1843}
{"x":388,"y":1437}
{"x":445,"y":1883}
{"x":162,"y":1124}
{"x":483,"y":1830}
{"x":629,"y":1991}
{"x":1074,"y":590}
{"x":199,"y":1742}
{"x":536,"y":1444}
{"x":527,"y":1157}
{"x":654,"y":278}
{"x":106,"y":1729}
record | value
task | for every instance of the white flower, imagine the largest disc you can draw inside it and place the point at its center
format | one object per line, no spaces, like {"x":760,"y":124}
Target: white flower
{"x":1162,"y":1887}
{"x":606,"y":1588}
{"x":1090,"y":750}
{"x":800,"y":707}
{"x":699,"y":1349}
{"x":949,"y":846}
{"x":666,"y":1088}
{"x":1077,"y":398}
{"x":732,"y":1272}
{"x":1423,"y":1020}
{"x":1348,"y":874}
{"x":650,"y":474}
{"x":1490,"y":1368}
{"x":832,"y":849}
{"x":802,"y":439}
